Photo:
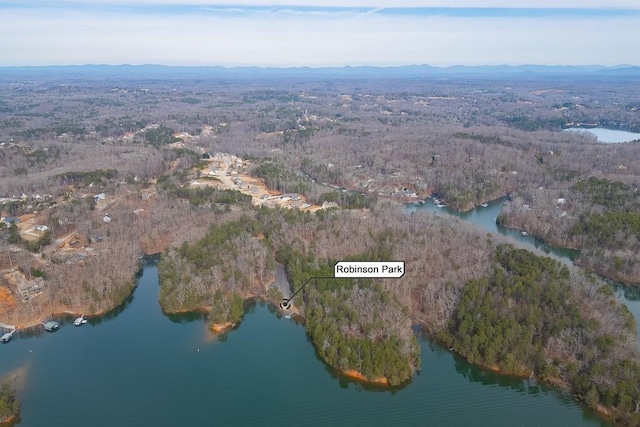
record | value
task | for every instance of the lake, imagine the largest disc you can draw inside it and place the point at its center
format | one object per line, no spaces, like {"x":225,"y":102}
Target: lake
{"x":608,"y":135}
{"x":140,"y":367}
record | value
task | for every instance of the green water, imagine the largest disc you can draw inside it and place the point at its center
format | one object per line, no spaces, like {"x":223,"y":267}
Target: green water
{"x":142,"y":368}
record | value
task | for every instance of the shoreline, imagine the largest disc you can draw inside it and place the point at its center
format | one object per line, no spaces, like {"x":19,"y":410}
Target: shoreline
{"x":554,"y":382}
{"x":62,"y":312}
{"x":357,"y":375}
{"x":219,"y":328}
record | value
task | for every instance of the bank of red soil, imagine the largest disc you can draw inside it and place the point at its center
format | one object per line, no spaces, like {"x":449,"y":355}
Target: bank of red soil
{"x":218,"y":328}
{"x":352,"y":373}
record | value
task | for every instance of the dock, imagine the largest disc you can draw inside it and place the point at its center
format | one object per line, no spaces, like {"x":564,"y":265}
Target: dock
{"x":51,"y":326}
{"x":6,"y":337}
{"x":80,"y":321}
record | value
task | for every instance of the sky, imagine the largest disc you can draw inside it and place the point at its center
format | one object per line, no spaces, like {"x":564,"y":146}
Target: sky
{"x":319,"y":33}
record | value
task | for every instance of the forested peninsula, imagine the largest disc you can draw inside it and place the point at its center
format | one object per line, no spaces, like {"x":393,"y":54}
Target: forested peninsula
{"x":499,"y":306}
{"x":226,"y":180}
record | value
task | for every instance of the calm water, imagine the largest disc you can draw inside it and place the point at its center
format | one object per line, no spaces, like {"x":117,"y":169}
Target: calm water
{"x":609,"y":135}
{"x":142,"y":368}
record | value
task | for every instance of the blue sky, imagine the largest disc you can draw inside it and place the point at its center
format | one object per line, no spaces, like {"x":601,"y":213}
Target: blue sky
{"x":319,"y":33}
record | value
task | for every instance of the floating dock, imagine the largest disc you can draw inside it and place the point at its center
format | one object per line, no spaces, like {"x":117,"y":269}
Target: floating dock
{"x":7,"y":337}
{"x":51,"y":326}
{"x":80,"y":321}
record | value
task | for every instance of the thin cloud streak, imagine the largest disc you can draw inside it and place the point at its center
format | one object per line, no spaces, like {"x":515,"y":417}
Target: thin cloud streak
{"x":553,"y":4}
{"x":45,"y":37}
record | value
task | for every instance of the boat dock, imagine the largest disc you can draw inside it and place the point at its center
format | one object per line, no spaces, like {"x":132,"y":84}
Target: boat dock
{"x":6,"y":337}
{"x":80,"y":321}
{"x":51,"y":326}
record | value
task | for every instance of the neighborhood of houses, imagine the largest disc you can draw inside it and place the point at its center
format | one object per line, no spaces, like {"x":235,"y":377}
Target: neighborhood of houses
{"x":230,"y":172}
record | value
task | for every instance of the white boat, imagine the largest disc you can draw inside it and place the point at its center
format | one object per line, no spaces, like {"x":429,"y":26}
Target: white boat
{"x":524,"y":233}
{"x":440,"y":205}
{"x":6,"y":337}
{"x":288,"y":316}
{"x":80,"y":321}
{"x":484,"y":205}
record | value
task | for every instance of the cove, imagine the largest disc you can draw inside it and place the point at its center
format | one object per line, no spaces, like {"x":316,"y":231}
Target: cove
{"x":485,"y":218}
{"x":142,"y":368}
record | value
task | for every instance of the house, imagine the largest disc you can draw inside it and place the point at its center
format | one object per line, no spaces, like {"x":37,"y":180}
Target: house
{"x":8,"y":220}
{"x":328,"y":205}
{"x":29,"y":289}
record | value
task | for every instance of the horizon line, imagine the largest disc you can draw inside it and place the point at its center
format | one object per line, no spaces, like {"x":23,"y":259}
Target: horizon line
{"x":315,"y":67}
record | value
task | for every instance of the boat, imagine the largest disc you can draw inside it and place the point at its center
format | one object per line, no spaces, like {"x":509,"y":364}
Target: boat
{"x":7,"y":337}
{"x":484,"y":205}
{"x":51,"y":326}
{"x":440,"y":205}
{"x":80,"y":321}
{"x":288,"y":316}
{"x":524,"y":233}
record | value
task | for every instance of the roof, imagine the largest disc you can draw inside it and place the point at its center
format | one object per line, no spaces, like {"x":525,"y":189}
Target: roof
{"x":8,"y":220}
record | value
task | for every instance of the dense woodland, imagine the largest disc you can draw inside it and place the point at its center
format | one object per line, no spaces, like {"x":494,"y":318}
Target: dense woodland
{"x":229,"y":261}
{"x":360,"y":144}
{"x":526,"y":317}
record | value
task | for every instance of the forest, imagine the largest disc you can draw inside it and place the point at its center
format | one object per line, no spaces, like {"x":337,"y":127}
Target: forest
{"x":520,"y":320}
{"x":354,"y":324}
{"x":109,"y":167}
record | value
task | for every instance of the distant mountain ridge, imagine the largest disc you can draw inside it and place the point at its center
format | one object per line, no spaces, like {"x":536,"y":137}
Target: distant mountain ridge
{"x":164,"y":71}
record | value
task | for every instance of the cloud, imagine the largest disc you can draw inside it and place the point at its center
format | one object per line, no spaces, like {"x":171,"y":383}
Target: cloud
{"x":273,"y":38}
{"x":535,"y":4}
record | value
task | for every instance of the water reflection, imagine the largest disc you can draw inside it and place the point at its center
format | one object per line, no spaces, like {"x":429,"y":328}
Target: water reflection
{"x":36,"y":331}
{"x":488,"y":378}
{"x":187,"y":317}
